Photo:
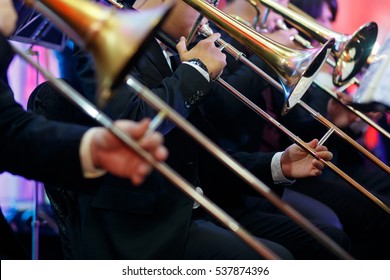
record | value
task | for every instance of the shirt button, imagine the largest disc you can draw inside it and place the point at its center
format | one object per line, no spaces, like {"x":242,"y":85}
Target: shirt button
{"x":187,"y":105}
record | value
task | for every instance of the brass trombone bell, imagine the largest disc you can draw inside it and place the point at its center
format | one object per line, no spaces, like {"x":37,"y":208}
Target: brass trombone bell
{"x":92,"y":111}
{"x":296,"y":69}
{"x":113,"y":36}
{"x":374,"y":91}
{"x":350,"y":51}
{"x":352,"y":55}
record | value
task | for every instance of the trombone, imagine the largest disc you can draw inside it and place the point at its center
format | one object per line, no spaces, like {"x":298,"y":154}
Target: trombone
{"x":362,"y":40}
{"x":64,"y":11}
{"x":54,"y":11}
{"x":247,"y":36}
{"x":296,"y":69}
{"x":350,"y":51}
{"x":332,"y":128}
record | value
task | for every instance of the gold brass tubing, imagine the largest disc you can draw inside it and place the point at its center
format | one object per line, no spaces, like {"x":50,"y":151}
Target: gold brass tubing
{"x":303,"y":145}
{"x":352,"y":81}
{"x":239,"y":56}
{"x":352,"y":50}
{"x":248,"y":177}
{"x":86,"y":106}
{"x":296,"y":69}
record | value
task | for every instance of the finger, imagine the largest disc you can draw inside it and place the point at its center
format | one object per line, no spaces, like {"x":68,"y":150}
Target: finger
{"x":318,"y":165}
{"x":317,"y":172}
{"x":135,"y":129}
{"x":313,"y":143}
{"x":325,"y":155}
{"x":143,"y":170}
{"x":214,"y":37}
{"x":321,"y":148}
{"x":161,"y":153}
{"x":181,"y":46}
{"x":151,"y":141}
{"x":153,"y":144}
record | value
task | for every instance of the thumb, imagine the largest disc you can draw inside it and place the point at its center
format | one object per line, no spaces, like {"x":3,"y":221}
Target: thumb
{"x":181,"y":46}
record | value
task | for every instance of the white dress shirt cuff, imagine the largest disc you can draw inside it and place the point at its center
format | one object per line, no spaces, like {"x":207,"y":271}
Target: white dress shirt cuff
{"x":199,"y":191}
{"x":276,"y":170}
{"x":88,"y":168}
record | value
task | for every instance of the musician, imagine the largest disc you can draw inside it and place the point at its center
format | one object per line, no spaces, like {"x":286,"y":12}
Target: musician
{"x":49,"y":151}
{"x":150,"y":222}
{"x":242,"y":129}
{"x":175,"y":230}
{"x":365,"y":172}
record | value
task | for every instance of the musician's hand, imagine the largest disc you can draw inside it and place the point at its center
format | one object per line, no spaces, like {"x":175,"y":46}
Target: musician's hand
{"x":297,"y":163}
{"x":338,"y":114}
{"x":347,"y":99}
{"x":111,"y":154}
{"x":207,"y":52}
{"x":8,"y":17}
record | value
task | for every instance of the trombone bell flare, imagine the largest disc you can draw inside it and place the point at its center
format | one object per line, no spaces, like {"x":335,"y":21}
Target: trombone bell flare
{"x":112,"y":36}
{"x":307,"y":77}
{"x":355,"y":53}
{"x":120,"y":46}
{"x":350,"y":51}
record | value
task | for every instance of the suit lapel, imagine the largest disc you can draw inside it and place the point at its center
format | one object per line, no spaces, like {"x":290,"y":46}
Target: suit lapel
{"x":158,"y":67}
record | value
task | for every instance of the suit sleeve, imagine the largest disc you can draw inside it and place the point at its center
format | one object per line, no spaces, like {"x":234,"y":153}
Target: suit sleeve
{"x":217,"y":177}
{"x":36,"y":148}
{"x":183,"y":91}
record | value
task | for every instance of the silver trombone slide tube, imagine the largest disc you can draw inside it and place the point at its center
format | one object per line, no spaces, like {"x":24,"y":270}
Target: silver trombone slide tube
{"x":296,"y":139}
{"x":206,"y":31}
{"x":91,"y":110}
{"x":227,"y":160}
{"x":158,"y":104}
{"x":305,"y":43}
{"x":244,"y":174}
{"x":303,"y":145}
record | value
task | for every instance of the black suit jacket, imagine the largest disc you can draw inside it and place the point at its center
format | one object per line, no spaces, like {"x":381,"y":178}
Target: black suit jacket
{"x":32,"y":147}
{"x":115,"y":220}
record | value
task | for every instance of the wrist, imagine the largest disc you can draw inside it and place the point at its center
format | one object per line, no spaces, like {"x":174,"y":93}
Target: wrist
{"x":285,"y":164}
{"x":88,"y":155}
{"x":276,"y":170}
{"x":198,"y":62}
